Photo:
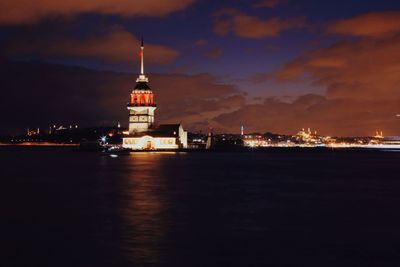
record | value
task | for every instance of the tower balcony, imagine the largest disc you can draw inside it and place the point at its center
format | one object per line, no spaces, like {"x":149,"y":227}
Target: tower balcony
{"x":141,"y":105}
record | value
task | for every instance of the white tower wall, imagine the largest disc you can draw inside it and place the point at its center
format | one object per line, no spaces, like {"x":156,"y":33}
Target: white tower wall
{"x":140,"y":118}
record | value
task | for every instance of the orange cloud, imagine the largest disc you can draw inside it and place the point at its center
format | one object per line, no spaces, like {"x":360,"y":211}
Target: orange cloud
{"x":376,"y":24}
{"x":363,"y":69}
{"x":361,"y":81}
{"x":335,"y":117}
{"x":31,"y":11}
{"x":231,"y":20}
{"x":115,"y":46}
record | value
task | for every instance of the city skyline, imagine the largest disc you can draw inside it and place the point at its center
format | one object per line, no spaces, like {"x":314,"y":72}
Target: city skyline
{"x":300,"y":65}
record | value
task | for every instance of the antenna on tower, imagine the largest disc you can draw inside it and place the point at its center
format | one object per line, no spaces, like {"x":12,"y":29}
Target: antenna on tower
{"x":142,"y":77}
{"x":141,"y":57}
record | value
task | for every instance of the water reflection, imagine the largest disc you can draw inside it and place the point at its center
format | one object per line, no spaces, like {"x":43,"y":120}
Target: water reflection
{"x":145,"y":212}
{"x":199,"y":209}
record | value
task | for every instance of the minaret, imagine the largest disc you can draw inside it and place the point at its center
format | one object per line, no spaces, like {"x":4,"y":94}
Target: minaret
{"x":141,"y":106}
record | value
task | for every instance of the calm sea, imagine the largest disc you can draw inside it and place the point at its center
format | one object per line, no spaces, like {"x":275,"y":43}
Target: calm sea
{"x":304,"y":207}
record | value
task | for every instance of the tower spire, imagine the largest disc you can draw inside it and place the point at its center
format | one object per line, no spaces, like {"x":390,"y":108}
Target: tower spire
{"x":142,"y":57}
{"x":142,"y":77}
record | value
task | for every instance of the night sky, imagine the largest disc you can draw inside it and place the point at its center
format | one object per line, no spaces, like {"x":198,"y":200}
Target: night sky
{"x":271,"y":65}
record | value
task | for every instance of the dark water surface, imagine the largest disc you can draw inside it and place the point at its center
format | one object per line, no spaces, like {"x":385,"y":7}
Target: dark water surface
{"x":272,"y":208}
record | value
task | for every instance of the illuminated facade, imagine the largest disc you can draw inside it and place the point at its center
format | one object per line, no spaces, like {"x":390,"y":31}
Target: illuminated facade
{"x":166,"y":136}
{"x":143,"y":134}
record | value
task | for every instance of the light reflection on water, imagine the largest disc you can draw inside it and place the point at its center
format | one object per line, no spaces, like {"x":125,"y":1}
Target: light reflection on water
{"x":273,"y":208}
{"x":144,"y":215}
{"x":239,"y":209}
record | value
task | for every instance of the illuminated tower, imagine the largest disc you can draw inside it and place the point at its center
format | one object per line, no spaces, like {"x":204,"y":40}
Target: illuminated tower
{"x":141,"y":107}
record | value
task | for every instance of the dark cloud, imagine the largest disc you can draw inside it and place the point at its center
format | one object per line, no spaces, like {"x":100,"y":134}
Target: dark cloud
{"x":201,"y":42}
{"x":37,"y":94}
{"x":116,"y":45}
{"x":268,"y":3}
{"x":32,"y":11}
{"x":247,"y":26}
{"x":215,"y":53}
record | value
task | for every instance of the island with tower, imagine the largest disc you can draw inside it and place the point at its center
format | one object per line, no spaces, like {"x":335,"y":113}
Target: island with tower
{"x":144,"y":134}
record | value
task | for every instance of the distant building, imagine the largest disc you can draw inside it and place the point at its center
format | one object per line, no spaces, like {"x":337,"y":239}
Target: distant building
{"x":210,"y":140}
{"x":379,"y":135}
{"x":143,"y":133}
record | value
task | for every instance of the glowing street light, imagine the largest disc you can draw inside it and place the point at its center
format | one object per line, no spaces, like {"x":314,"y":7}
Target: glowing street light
{"x":103,"y":140}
